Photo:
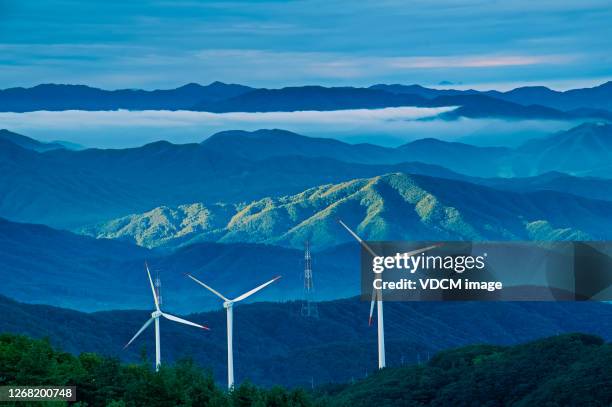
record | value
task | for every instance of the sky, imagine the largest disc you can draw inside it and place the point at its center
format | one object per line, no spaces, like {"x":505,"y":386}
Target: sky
{"x":162,"y":43}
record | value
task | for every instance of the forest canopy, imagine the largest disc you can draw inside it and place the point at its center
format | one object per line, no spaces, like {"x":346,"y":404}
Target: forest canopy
{"x":572,"y":369}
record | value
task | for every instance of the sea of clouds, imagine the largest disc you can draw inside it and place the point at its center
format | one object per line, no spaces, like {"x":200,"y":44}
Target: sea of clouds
{"x":390,"y":126}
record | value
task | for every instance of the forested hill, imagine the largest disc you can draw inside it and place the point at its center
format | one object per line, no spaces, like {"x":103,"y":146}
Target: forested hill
{"x":566,"y":370}
{"x":273,"y":344}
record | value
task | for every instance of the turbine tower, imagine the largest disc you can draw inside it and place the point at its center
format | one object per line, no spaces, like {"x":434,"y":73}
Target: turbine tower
{"x":309,"y":307}
{"x":155,"y":289}
{"x":377,"y":297}
{"x":228,"y":305}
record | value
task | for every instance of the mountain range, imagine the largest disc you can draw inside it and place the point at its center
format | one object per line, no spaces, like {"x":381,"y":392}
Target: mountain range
{"x":77,"y":226}
{"x":584,"y":150}
{"x":319,"y":98}
{"x":28,"y":142}
{"x":80,"y":97}
{"x":311,"y":98}
{"x":597,"y":97}
{"x":239,"y":196}
{"x":252,"y":242}
{"x":562,"y":152}
{"x":388,"y":207}
{"x":72,"y":189}
{"x":275,"y":345}
{"x":524,"y":103}
{"x":69,"y":189}
{"x":44,"y":265}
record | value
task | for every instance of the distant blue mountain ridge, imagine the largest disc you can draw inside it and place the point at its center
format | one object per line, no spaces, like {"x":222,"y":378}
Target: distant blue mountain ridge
{"x":72,"y":189}
{"x":525,"y":103}
{"x":585,"y":150}
{"x":80,"y":97}
{"x":597,"y":97}
{"x":237,"y":245}
{"x":30,"y":143}
{"x":205,"y":205}
{"x":49,"y":266}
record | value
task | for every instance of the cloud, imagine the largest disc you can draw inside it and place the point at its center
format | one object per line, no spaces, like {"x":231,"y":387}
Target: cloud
{"x":391,"y":126}
{"x":115,"y":66}
{"x":274,"y":43}
{"x":81,"y":119}
{"x":479,"y":61}
{"x":325,"y":65}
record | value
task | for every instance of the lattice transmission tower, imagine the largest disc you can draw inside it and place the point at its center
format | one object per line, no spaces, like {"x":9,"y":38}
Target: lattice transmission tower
{"x":309,"y":307}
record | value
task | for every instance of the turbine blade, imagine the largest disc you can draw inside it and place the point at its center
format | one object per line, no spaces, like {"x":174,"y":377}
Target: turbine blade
{"x":152,"y":287}
{"x":424,"y":249}
{"x":372,"y":307}
{"x":365,"y":246}
{"x":212,"y":290}
{"x":375,"y":294}
{"x":360,"y":240}
{"x":254,"y":290}
{"x":146,"y":324}
{"x":183,"y":321}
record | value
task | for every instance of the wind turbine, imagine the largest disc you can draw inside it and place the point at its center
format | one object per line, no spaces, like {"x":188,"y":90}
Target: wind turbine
{"x":155,"y":317}
{"x":377,"y":297}
{"x":228,"y":305}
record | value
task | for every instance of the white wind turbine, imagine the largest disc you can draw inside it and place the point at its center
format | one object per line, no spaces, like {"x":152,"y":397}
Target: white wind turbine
{"x":155,"y":317}
{"x":228,"y":305}
{"x":377,"y":297}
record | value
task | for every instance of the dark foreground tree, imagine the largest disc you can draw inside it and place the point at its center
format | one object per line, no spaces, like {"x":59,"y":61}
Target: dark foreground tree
{"x":566,"y":370}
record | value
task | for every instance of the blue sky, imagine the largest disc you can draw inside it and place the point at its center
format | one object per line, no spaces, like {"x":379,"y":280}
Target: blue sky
{"x":160,"y":44}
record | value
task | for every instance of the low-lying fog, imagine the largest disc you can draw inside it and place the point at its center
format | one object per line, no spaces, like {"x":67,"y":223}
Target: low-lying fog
{"x":390,"y":126}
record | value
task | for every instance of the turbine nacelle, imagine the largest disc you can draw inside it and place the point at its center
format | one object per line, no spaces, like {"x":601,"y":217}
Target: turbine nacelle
{"x":156,"y":314}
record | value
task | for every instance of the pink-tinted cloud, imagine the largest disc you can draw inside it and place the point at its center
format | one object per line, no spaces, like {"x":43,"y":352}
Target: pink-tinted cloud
{"x":478,"y":61}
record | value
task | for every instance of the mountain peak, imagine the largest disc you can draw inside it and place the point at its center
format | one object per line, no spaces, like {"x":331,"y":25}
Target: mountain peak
{"x":161,"y":145}
{"x":27,"y":142}
{"x":256,"y":134}
{"x":592,"y":127}
{"x":390,"y":206}
{"x":7,"y":133}
{"x":533,"y":87}
{"x":562,"y":151}
{"x":266,"y":143}
{"x":191,"y":85}
{"x":605,"y":85}
{"x":217,"y":84}
{"x":61,"y":85}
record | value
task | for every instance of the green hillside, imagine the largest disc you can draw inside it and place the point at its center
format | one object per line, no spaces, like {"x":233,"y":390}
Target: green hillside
{"x":389,"y":207}
{"x":566,"y":370}
{"x":104,"y":381}
{"x":274,"y":344}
